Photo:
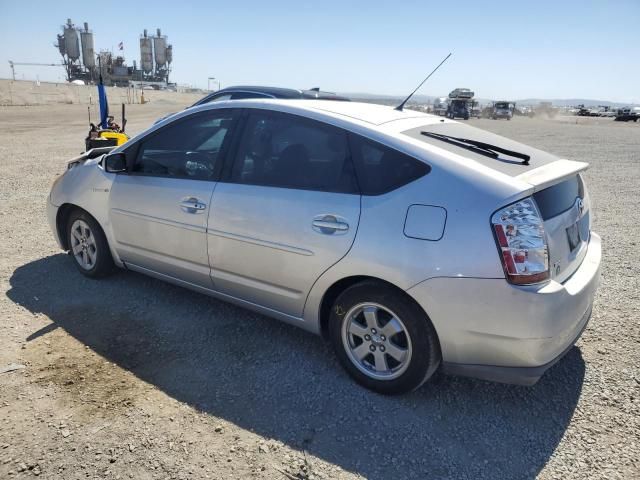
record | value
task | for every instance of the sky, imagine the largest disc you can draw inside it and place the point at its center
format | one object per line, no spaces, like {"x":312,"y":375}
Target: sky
{"x":508,"y":50}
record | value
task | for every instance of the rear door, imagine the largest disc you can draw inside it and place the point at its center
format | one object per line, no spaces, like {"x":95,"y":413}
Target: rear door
{"x":287,"y":211}
{"x":159,"y":210}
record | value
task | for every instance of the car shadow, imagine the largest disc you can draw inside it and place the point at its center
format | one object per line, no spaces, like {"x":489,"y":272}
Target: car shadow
{"x":286,"y":384}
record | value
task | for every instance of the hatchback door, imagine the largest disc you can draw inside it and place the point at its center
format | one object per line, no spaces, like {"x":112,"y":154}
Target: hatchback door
{"x":288,"y":210}
{"x":566,"y":212}
{"x":159,"y":209}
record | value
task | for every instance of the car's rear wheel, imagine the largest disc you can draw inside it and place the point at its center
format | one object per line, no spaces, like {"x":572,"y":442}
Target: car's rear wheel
{"x":383,"y":338}
{"x":88,"y":245}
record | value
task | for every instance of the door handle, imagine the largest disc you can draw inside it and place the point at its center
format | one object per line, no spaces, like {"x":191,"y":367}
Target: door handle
{"x":192,"y":205}
{"x":329,"y":224}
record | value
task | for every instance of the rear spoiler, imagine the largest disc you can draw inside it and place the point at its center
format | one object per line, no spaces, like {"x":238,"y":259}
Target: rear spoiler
{"x":88,"y":155}
{"x":551,"y":173}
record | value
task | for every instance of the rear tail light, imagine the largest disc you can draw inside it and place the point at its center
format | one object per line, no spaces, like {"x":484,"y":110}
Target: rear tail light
{"x":522,"y":243}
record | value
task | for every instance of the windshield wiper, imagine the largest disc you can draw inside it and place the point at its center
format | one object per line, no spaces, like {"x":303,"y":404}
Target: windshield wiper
{"x":481,"y":148}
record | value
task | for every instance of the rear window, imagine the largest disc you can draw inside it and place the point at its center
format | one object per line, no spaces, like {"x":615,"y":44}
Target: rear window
{"x":381,"y":169}
{"x":554,"y":200}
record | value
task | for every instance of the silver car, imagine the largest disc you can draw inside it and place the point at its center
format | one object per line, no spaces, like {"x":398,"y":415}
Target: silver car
{"x":409,"y":241}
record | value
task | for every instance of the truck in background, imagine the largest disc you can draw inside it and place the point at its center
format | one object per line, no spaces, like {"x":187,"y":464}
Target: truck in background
{"x":627,"y":115}
{"x":440,"y":106}
{"x":503,"y":109}
{"x":460,"y":101}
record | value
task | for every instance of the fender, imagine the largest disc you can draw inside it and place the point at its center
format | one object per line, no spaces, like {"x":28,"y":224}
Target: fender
{"x":86,"y":185}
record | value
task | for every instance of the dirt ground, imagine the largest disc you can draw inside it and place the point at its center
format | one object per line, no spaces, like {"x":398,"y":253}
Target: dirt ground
{"x":130,"y":377}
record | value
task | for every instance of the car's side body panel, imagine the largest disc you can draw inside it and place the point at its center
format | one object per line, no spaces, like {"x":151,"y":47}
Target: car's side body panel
{"x":381,"y":250}
{"x":87,"y":186}
{"x":152,"y":228}
{"x":263,"y":245}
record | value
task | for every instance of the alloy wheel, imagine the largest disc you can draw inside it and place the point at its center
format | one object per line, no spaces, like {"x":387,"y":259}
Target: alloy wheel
{"x":83,"y":244}
{"x":376,"y":341}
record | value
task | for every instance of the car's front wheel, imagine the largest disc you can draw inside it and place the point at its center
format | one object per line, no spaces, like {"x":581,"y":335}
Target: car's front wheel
{"x":88,"y":245}
{"x":383,"y":338}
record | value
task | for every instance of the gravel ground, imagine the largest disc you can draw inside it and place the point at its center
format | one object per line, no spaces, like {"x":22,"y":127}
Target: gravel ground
{"x":130,"y":377}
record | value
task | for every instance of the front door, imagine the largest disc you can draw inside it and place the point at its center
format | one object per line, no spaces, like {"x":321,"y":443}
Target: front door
{"x":159,"y":210}
{"x":287,"y":211}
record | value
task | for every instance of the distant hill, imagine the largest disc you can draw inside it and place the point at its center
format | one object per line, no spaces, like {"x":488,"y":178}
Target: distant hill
{"x":558,"y":102}
{"x":571,"y":102}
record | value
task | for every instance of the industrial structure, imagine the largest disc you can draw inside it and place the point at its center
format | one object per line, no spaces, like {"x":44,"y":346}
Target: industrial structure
{"x":76,"y":45}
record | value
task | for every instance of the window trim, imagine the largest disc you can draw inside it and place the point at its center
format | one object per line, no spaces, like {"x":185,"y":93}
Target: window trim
{"x":212,"y":97}
{"x":134,"y":149}
{"x":232,"y":154}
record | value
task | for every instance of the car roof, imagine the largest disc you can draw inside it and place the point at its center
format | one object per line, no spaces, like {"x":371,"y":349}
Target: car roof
{"x":380,"y":123}
{"x":276,"y":92}
{"x":370,"y":113}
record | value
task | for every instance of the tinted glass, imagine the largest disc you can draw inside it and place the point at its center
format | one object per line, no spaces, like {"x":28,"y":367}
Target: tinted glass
{"x":219,"y":98}
{"x":380,"y":169}
{"x":188,"y":148}
{"x":241,"y":95}
{"x":558,"y":198}
{"x":282,"y":150}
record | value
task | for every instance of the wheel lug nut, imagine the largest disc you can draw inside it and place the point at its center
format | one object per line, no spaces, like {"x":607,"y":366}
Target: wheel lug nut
{"x":373,"y":330}
{"x":372,"y":348}
{"x":367,"y":338}
{"x":383,"y":338}
{"x":382,"y":348}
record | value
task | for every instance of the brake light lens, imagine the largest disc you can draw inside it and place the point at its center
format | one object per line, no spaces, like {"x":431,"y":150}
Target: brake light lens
{"x":521,"y":239}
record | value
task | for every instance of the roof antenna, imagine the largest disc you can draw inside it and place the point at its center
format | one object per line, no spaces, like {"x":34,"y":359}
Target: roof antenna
{"x":401,"y":106}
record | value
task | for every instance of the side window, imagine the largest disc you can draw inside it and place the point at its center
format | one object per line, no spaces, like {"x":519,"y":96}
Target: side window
{"x":187,"y":148}
{"x":288,"y":151}
{"x":380,"y":169}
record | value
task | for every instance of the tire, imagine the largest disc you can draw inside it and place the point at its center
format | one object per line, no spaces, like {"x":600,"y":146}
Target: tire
{"x":88,"y":246}
{"x":407,"y":355}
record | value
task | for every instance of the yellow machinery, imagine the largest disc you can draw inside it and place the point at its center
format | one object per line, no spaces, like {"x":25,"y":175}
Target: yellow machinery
{"x":119,"y":137}
{"x":112,"y":136}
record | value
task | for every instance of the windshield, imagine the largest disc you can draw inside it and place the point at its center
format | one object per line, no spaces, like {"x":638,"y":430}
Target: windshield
{"x":502,"y":105}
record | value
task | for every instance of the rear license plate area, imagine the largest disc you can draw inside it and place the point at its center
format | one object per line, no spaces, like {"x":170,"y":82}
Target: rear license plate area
{"x":573,"y":236}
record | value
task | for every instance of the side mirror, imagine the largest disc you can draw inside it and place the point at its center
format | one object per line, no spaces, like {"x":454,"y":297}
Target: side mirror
{"x":115,"y":163}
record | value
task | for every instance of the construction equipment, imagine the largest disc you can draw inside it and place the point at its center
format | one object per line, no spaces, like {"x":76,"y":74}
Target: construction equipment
{"x":108,"y":133}
{"x":112,"y":135}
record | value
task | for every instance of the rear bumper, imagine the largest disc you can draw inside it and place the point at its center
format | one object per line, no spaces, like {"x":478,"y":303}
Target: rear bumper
{"x":491,"y":329}
{"x":515,"y":375}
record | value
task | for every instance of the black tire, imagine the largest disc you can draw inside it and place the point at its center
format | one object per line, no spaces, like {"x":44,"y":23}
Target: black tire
{"x":425,"y":349}
{"x":103,"y":264}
